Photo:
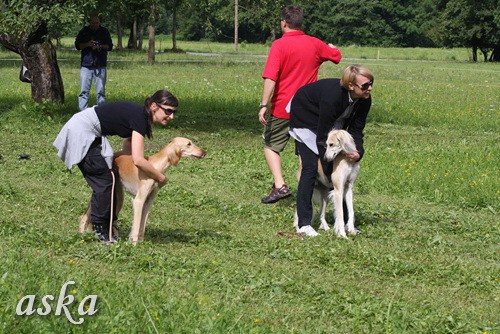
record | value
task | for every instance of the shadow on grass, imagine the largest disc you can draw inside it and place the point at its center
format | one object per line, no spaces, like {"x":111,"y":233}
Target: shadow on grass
{"x":365,"y":219}
{"x":361,"y":218}
{"x":180,"y":235}
{"x":195,"y":114}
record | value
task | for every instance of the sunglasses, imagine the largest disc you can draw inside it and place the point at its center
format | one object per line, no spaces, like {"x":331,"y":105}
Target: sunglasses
{"x":365,"y":86}
{"x":167,"y":111}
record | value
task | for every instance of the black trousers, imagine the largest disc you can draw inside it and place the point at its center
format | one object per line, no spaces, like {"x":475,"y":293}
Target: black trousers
{"x":306,"y":183}
{"x":100,"y":179}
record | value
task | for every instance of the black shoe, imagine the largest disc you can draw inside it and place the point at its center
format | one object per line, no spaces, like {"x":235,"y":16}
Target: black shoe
{"x":102,"y":233}
{"x":104,"y":237}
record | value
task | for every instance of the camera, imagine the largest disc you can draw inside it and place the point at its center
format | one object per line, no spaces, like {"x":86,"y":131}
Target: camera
{"x":97,"y":45}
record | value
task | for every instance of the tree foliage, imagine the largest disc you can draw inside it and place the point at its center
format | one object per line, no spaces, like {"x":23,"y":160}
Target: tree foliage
{"x":470,"y":23}
{"x":374,"y":23}
{"x":385,"y":23}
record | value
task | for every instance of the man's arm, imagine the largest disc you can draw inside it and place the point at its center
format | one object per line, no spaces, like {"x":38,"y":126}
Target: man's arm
{"x":331,"y":52}
{"x":269,"y":85}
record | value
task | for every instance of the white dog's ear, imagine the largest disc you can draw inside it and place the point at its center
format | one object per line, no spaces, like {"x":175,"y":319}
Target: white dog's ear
{"x":347,"y":142}
{"x":339,"y":138}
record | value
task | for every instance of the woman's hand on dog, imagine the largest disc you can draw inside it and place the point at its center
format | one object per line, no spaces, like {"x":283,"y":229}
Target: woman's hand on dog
{"x":163,"y":181}
{"x":353,"y":156}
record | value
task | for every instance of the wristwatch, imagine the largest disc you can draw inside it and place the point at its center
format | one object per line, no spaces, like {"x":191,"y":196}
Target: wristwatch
{"x":262,"y":105}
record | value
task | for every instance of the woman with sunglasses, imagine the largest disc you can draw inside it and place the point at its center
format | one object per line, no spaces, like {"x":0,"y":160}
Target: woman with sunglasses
{"x":82,"y":141}
{"x":318,"y":108}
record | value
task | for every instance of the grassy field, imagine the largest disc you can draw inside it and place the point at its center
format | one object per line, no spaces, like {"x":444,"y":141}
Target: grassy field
{"x":426,"y":201}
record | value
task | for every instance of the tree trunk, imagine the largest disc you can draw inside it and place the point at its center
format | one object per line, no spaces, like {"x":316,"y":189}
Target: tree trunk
{"x":132,"y":39}
{"x":485,"y":54}
{"x":236,"y":25}
{"x":119,"y":32}
{"x":140,"y":34}
{"x":495,"y":55}
{"x":151,"y":33}
{"x":273,"y":34}
{"x":174,"y":29}
{"x":39,"y":56}
{"x":46,"y":80}
{"x":474,"y":53}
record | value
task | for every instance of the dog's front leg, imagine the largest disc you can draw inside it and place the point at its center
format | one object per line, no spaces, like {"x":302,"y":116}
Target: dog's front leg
{"x":323,"y":199}
{"x":138,"y":205}
{"x":350,"y":210}
{"x":145,"y":211}
{"x":339,"y":213}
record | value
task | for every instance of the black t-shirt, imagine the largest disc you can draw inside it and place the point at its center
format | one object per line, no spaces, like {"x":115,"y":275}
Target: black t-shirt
{"x":121,"y":118}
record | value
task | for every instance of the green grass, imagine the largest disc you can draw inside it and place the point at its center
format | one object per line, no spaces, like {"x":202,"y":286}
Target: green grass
{"x":426,"y":202}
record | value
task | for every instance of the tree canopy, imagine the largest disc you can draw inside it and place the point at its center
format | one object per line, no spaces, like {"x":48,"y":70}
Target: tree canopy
{"x":387,"y":23}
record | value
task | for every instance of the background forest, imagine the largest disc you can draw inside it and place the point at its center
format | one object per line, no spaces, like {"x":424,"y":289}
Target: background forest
{"x":384,"y":23}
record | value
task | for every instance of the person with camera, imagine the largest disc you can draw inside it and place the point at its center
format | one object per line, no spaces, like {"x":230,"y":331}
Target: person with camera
{"x":94,"y":42}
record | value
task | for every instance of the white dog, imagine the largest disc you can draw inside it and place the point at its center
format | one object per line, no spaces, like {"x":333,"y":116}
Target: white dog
{"x":342,"y":180}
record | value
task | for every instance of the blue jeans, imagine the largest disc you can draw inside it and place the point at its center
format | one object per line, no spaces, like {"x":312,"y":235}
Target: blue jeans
{"x":86,"y":77}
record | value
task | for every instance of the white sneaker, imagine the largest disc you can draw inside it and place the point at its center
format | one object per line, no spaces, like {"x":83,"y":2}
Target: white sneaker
{"x":308,"y":230}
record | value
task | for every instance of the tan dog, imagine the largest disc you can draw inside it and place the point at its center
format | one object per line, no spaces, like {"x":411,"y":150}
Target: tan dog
{"x":342,"y":180}
{"x":143,"y":188}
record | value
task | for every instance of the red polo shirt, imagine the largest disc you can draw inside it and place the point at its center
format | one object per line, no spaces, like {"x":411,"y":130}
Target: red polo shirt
{"x":294,"y":61}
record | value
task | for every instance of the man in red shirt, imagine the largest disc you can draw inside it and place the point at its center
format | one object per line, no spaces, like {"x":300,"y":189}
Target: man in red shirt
{"x":293,"y":61}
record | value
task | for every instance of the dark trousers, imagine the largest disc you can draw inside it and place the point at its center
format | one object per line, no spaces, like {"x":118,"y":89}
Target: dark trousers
{"x":307,"y":181}
{"x":98,"y":176}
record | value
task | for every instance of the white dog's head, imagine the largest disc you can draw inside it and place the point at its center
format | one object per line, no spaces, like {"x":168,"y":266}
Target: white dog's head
{"x":338,"y":141}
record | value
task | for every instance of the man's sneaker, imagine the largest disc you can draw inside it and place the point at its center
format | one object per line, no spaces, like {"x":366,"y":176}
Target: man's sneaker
{"x":308,"y":230}
{"x":276,"y":194}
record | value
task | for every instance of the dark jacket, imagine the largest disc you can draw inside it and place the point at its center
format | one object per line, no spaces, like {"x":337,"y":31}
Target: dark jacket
{"x":318,"y":105}
{"x":89,"y":57}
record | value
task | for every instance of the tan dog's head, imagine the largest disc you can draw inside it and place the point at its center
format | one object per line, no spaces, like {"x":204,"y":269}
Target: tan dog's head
{"x":183,"y":147}
{"x":338,"y":141}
